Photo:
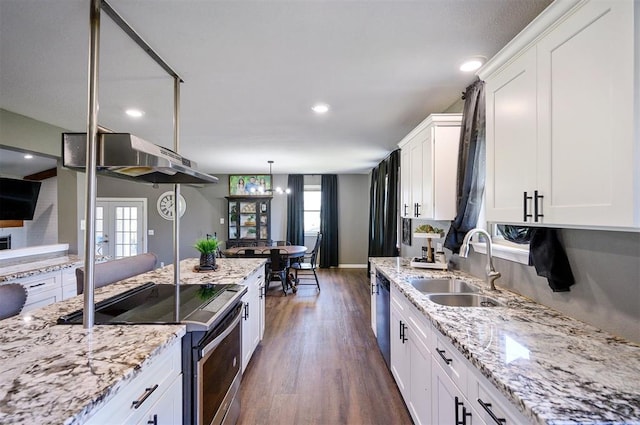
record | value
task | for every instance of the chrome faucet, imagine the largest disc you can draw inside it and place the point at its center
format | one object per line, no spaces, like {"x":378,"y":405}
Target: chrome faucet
{"x":492,"y":274}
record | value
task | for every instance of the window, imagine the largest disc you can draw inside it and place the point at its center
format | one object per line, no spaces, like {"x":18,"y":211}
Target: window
{"x":312,"y":201}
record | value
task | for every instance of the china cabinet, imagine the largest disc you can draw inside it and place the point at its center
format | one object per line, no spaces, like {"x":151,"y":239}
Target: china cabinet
{"x":249,"y":220}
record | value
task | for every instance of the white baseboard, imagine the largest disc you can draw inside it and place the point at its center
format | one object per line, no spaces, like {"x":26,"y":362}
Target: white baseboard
{"x":352,"y":266}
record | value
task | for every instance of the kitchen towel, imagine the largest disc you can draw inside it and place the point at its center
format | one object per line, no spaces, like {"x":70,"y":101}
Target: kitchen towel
{"x":547,"y":255}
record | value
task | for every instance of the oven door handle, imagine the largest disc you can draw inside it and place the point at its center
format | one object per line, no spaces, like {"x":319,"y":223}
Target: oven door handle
{"x":213,"y":344}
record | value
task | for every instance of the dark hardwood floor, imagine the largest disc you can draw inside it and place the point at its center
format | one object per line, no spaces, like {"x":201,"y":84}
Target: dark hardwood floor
{"x":319,"y":362}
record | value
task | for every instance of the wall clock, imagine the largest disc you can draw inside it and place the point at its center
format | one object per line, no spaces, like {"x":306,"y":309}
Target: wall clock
{"x":165,"y":205}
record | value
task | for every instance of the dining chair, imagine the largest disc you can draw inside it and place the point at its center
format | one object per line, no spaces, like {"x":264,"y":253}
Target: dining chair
{"x":116,"y":270}
{"x":12,"y":299}
{"x":278,"y":266}
{"x":307,"y":265}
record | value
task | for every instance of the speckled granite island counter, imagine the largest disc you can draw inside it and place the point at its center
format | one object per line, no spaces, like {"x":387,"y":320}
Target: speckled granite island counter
{"x":60,"y":374}
{"x":568,"y":372}
{"x":33,"y":268}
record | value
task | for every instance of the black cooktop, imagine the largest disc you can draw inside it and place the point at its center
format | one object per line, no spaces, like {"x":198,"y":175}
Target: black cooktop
{"x":152,"y":303}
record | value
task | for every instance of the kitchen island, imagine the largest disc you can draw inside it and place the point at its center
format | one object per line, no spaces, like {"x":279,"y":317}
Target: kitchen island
{"x":553,"y":369}
{"x":59,"y":374}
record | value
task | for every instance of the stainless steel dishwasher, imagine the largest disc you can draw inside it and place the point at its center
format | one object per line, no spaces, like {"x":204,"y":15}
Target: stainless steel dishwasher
{"x":383,"y":319}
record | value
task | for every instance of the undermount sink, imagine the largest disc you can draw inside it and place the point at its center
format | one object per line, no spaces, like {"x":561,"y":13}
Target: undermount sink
{"x":463,"y":300}
{"x":431,"y":286}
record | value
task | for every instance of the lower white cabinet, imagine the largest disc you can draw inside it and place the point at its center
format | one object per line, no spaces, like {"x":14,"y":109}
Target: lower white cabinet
{"x":42,"y":290}
{"x":252,"y":316}
{"x":152,"y":397}
{"x":411,"y":356}
{"x":168,"y":409}
{"x":374,"y":299}
{"x":438,"y":384}
{"x":48,"y":288}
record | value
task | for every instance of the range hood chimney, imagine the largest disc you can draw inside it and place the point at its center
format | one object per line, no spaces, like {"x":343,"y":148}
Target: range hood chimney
{"x":124,"y":155}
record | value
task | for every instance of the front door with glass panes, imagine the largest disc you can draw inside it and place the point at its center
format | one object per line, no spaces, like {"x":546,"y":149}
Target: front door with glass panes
{"x":120,"y":227}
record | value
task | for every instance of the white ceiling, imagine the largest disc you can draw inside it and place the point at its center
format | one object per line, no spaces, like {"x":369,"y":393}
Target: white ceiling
{"x":252,"y":71}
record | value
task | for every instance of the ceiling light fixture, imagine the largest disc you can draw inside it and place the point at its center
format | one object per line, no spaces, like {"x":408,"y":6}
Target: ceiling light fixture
{"x":134,"y":113}
{"x":471,"y":65}
{"x":320,"y":108}
{"x":279,"y":190}
{"x":28,"y":156}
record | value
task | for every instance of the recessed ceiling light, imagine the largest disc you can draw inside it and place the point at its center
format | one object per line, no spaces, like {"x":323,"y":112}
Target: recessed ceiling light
{"x":471,"y":64}
{"x":320,"y":108}
{"x":28,"y":156}
{"x":134,"y":113}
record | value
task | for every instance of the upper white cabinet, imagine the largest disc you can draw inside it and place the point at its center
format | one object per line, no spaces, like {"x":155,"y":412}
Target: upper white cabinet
{"x":428,"y":161}
{"x":563,"y":119}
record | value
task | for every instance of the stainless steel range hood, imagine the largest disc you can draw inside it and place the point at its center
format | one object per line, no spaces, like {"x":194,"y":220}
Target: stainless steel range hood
{"x":126,"y":156}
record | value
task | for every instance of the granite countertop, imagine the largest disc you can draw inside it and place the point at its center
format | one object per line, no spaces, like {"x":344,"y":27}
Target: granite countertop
{"x":28,"y":268}
{"x":563,"y":371}
{"x":61,"y":373}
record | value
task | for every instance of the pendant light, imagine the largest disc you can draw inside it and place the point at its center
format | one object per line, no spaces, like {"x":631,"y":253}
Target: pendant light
{"x":278,"y":189}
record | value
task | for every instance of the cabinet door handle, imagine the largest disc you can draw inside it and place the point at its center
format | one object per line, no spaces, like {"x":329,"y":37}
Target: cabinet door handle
{"x":464,"y":415}
{"x":446,"y":360}
{"x":458,"y":404}
{"x":405,"y":206}
{"x":403,"y":332}
{"x":526,"y":198}
{"x":246,"y":311}
{"x":374,"y":289}
{"x":418,"y":209}
{"x":147,"y":392}
{"x":153,"y":421}
{"x":487,"y":408}
{"x":536,"y":214}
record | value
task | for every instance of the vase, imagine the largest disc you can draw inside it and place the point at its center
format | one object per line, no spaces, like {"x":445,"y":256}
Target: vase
{"x":207,"y":260}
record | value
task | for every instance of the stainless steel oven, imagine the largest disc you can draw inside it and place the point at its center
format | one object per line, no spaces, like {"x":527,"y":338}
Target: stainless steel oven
{"x":217,"y":378}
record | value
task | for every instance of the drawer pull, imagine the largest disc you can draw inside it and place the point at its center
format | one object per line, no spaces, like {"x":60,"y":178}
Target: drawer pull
{"x":143,"y":397}
{"x":38,"y":284}
{"x":487,"y":408}
{"x":446,"y":360}
{"x":153,"y":421}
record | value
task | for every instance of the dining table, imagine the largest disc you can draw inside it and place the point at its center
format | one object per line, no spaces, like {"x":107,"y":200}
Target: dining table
{"x":291,"y":251}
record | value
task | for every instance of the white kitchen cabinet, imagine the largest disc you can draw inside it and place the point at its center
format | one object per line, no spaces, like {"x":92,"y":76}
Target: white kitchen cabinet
{"x":168,"y":409}
{"x":42,"y":289}
{"x":155,"y":394}
{"x":253,"y":316}
{"x":411,"y":356}
{"x":511,"y":139}
{"x":400,"y":361}
{"x":430,"y":152}
{"x":69,"y":285}
{"x":562,"y":120}
{"x":420,"y":384}
{"x":451,"y":403}
{"x":491,"y":406}
{"x":373,"y":287}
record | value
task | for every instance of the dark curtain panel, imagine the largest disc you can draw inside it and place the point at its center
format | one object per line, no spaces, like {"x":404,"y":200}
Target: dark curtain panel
{"x":329,"y":221}
{"x":471,"y":166}
{"x":383,"y":208}
{"x":376,"y":212}
{"x":295,"y":209}
{"x":390,"y":231}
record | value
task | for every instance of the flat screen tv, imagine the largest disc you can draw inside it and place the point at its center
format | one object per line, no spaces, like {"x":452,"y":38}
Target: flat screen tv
{"x":18,"y":198}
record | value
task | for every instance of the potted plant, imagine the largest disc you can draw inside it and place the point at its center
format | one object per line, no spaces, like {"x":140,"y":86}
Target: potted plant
{"x":207,"y":248}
